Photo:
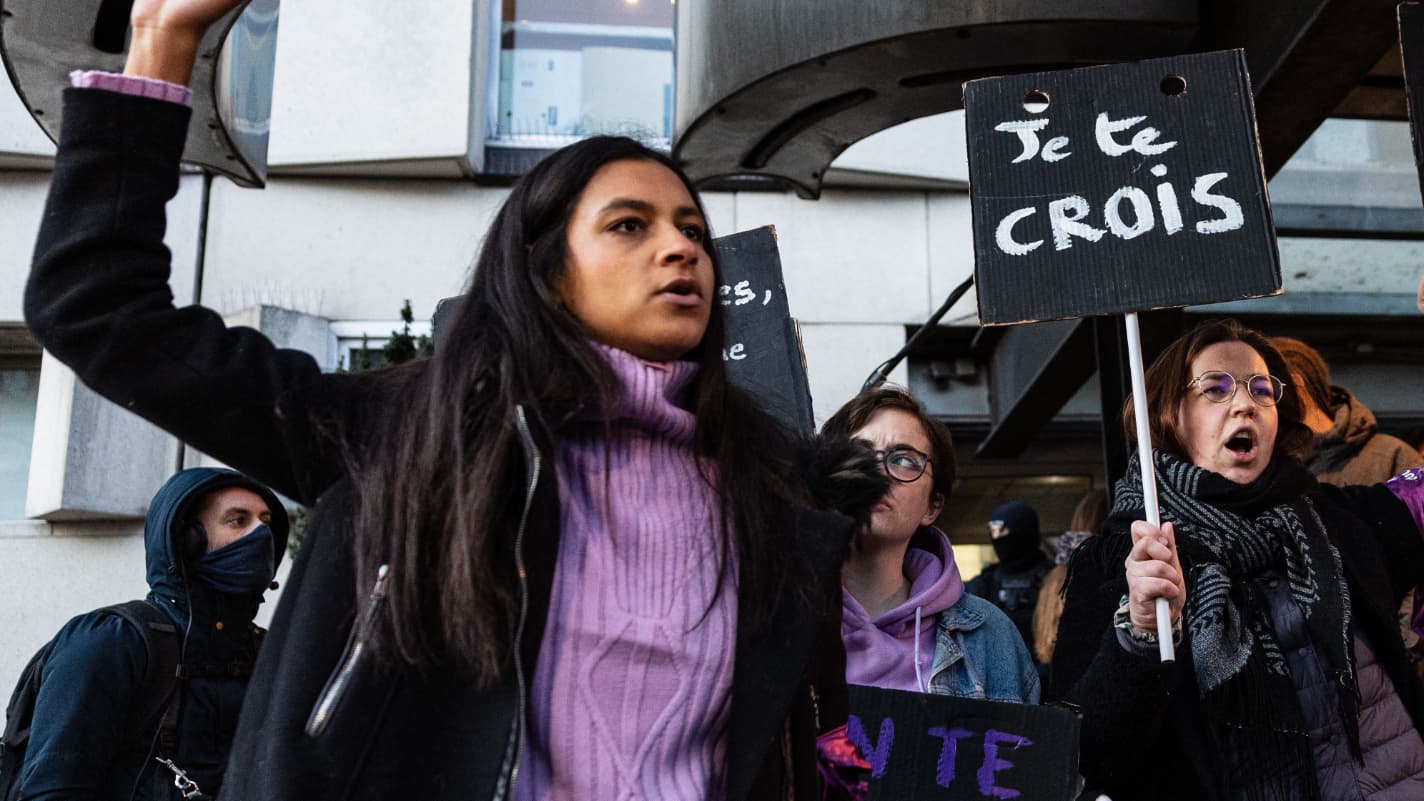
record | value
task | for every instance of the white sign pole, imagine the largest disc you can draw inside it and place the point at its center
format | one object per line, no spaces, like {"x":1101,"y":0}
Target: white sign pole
{"x":1149,"y":474}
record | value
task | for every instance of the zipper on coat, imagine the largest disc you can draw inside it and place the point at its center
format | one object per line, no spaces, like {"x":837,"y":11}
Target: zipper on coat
{"x":340,"y":681}
{"x":815,"y":708}
{"x":514,"y":747}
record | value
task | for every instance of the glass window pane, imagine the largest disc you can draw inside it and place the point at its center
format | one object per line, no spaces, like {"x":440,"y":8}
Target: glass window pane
{"x":19,"y":390}
{"x":569,"y":70}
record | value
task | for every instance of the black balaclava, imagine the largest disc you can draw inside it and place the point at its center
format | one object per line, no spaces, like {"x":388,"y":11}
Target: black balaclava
{"x":1021,"y":548}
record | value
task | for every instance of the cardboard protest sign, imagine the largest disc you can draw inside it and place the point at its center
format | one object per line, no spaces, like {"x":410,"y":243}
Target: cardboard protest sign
{"x":762,"y":347}
{"x":1411,"y":44}
{"x":42,"y":41}
{"x":1115,"y":189}
{"x":922,"y":747}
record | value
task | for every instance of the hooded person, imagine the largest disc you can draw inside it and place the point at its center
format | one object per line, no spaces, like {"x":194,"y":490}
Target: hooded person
{"x":1013,"y":583}
{"x":213,"y":539}
{"x":1348,"y":447}
{"x":906,"y":621}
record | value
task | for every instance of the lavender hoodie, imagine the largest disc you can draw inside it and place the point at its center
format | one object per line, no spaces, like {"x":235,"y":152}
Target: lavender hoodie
{"x":895,"y":650}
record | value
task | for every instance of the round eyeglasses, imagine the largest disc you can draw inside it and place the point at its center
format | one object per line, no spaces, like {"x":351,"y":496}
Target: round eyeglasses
{"x":905,"y":465}
{"x":1219,"y":387}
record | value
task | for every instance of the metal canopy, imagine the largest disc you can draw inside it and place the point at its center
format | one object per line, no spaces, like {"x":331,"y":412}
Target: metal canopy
{"x":778,"y":88}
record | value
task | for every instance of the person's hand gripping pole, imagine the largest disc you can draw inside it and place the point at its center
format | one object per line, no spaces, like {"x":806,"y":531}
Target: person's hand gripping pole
{"x":1156,"y":591}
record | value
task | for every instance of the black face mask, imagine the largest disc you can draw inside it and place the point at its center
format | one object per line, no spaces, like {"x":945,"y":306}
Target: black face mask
{"x":1018,"y":548}
{"x":243,"y":567}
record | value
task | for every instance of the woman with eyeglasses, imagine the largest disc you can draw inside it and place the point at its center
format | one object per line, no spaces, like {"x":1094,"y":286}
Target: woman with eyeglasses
{"x":1290,"y":680}
{"x":906,"y":621}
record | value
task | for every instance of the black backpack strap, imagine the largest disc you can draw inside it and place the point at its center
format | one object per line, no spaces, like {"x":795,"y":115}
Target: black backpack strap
{"x":21,"y":710}
{"x":157,"y":702}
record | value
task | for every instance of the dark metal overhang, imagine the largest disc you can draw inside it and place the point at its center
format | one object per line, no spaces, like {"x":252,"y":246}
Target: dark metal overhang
{"x":779,"y":89}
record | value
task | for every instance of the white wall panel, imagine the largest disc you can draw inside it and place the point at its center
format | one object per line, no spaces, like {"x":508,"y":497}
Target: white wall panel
{"x":951,"y":246}
{"x":850,"y":257}
{"x":22,"y":196}
{"x":344,"y":249}
{"x":721,"y":208}
{"x":366,"y":82}
{"x":1310,"y":264}
{"x":91,"y":459}
{"x":839,"y":357}
{"x":22,"y":141}
{"x":930,"y":147}
{"x":51,"y":575}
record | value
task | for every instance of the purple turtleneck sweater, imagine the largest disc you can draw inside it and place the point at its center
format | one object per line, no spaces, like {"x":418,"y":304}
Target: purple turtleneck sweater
{"x":632,"y":691}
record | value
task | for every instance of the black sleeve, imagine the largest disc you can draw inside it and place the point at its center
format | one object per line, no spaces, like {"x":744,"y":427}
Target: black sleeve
{"x":82,"y":710}
{"x":1122,"y":695}
{"x":98,"y":299}
{"x":1400,"y":541}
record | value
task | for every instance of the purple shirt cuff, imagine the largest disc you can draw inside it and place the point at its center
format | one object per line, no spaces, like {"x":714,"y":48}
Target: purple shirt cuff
{"x":131,"y":85}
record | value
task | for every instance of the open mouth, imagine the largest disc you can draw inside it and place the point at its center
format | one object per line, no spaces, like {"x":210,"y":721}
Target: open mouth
{"x":681,"y":292}
{"x":683,"y":287}
{"x":1243,"y":444}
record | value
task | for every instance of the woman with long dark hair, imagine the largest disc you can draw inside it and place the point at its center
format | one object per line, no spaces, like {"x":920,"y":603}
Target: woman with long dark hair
{"x":1290,"y":680}
{"x":563,"y":558}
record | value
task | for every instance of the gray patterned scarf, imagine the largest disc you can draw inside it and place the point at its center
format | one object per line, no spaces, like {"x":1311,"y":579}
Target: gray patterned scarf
{"x":1227,"y":534}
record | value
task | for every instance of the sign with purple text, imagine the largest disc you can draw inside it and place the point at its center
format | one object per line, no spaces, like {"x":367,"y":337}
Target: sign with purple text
{"x":923,"y":747}
{"x":1116,"y":189}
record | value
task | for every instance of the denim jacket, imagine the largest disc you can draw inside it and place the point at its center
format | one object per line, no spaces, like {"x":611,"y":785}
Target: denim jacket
{"x":979,"y":654}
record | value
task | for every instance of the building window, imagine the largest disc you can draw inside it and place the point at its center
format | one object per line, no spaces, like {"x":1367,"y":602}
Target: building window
{"x":360,"y":344}
{"x":19,"y":391}
{"x":569,"y":70}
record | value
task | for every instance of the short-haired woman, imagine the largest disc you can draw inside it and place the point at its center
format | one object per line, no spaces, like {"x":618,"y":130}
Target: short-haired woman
{"x":906,"y":620}
{"x":1290,"y":680}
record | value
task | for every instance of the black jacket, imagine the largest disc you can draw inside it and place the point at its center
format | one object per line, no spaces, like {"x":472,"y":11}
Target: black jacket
{"x":1143,"y":734}
{"x":81,"y":739}
{"x":321,"y":720}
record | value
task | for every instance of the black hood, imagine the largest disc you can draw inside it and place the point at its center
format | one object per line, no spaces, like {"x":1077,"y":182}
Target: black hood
{"x":175,"y":503}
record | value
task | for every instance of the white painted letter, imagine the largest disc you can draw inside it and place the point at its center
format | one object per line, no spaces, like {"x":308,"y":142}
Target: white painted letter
{"x":1167,"y":199}
{"x":1025,"y":129}
{"x":1065,"y":226}
{"x":1141,"y":212}
{"x":1142,"y":141}
{"x":1053,"y":150}
{"x":1231,"y":218}
{"x":1004,"y":234}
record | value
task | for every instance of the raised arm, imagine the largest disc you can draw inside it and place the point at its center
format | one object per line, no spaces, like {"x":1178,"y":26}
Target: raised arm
{"x":166,"y":33}
{"x":98,"y":295}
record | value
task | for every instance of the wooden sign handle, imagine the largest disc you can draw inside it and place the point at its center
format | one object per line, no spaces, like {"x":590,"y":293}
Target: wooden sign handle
{"x":1149,"y":474}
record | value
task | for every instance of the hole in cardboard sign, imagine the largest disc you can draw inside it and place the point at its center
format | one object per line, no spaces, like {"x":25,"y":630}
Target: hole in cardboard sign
{"x":1174,"y":85}
{"x":1036,"y":101}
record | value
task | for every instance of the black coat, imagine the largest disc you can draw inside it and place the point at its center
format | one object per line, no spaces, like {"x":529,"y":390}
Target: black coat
{"x":98,"y":299}
{"x":1144,"y":735}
